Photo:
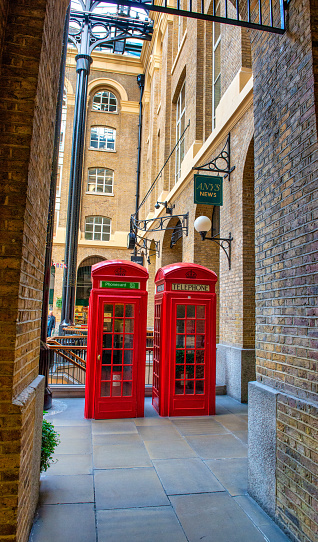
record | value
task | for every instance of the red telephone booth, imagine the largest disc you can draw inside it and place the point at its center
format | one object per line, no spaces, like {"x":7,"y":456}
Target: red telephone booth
{"x":184,"y":341}
{"x":116,"y":343}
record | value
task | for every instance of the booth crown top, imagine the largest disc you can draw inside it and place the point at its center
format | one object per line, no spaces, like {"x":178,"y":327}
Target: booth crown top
{"x":120,"y":269}
{"x":185,"y":271}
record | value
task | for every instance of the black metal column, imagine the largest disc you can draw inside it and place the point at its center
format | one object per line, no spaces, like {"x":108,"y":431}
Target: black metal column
{"x":74,"y":200}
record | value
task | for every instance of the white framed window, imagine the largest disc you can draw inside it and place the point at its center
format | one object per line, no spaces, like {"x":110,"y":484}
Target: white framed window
{"x":105,"y":101}
{"x":97,"y":228}
{"x":180,"y":127}
{"x":100,"y":180}
{"x":216,"y":64}
{"x":103,"y":138}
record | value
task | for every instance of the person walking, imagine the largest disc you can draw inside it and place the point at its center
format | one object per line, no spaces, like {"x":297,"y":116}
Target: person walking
{"x":50,"y":323}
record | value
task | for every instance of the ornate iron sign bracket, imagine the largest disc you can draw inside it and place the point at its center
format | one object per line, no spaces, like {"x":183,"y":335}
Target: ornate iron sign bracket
{"x":143,"y":246}
{"x":224,"y":243}
{"x":221,"y":163}
{"x":158,"y":224}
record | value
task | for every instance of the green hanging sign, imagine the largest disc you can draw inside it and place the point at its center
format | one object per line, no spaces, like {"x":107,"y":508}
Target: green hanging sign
{"x":121,"y":284}
{"x":208,"y":190}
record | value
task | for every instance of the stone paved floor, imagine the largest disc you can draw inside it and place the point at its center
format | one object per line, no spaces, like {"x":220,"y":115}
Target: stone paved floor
{"x":150,"y":479}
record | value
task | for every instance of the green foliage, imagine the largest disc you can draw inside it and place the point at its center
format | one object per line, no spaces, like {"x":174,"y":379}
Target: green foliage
{"x":50,"y":439}
{"x":59,"y":303}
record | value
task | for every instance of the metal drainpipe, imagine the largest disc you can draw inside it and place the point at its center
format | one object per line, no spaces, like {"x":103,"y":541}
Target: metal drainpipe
{"x":44,"y":357}
{"x":141,"y":84}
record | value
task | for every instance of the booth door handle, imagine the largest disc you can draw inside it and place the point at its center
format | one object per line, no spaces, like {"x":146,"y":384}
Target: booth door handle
{"x":98,"y":357}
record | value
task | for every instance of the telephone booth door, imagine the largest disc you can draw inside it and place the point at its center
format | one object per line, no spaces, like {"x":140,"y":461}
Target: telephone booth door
{"x":115,"y":385}
{"x":184,"y":341}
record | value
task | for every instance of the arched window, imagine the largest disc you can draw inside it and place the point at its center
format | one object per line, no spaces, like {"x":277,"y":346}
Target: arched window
{"x":100,"y":180}
{"x":105,"y":101}
{"x":103,"y":138}
{"x":97,"y":228}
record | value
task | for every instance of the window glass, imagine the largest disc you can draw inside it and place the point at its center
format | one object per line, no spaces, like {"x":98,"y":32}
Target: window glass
{"x":105,"y":101}
{"x":100,"y":180}
{"x":103,"y":138}
{"x":97,"y":228}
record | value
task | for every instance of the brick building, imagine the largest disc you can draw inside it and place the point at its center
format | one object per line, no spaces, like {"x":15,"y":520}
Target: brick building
{"x":109,"y":169}
{"x":260,"y":88}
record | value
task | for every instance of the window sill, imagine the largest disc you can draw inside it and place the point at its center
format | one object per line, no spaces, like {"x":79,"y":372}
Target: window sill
{"x":101,"y":150}
{"x":99,"y":194}
{"x":108,"y":112}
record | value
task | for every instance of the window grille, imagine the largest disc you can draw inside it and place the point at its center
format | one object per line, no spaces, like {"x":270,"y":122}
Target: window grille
{"x":100,"y":180}
{"x":176,"y":234}
{"x":105,"y":101}
{"x":103,"y":138}
{"x":97,"y":228}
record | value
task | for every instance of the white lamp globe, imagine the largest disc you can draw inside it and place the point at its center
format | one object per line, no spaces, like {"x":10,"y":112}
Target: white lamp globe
{"x":202,"y":224}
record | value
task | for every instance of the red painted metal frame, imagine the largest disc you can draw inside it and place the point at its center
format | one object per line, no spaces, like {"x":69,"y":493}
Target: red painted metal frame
{"x":98,"y":407}
{"x":164,"y":398}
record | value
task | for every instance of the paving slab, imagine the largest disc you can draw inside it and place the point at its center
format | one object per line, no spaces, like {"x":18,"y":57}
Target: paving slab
{"x":71,"y":464}
{"x":261,"y":519}
{"x":214,"y":517}
{"x":128,"y":488}
{"x":169,"y":449}
{"x":159,"y":432}
{"x":74,"y":446}
{"x":112,"y":426}
{"x":181,"y":476}
{"x":231,"y":473}
{"x":242,"y":435}
{"x":217,"y":446}
{"x":231,"y":404}
{"x":205,"y":426}
{"x":121,"y":456}
{"x":136,"y":525}
{"x":78,"y":432}
{"x":109,"y":439}
{"x":152,"y":421}
{"x":56,"y":489}
{"x":64,"y":522}
{"x":233,"y":422}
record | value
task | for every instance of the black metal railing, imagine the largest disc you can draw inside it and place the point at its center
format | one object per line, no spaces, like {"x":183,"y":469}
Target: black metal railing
{"x":68,"y":366}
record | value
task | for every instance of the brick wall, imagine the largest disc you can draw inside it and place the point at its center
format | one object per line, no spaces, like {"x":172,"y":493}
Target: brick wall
{"x":285,"y":106}
{"x":29,"y":79}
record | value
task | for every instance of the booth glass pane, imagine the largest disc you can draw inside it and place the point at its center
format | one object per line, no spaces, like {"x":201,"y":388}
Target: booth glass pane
{"x":180,"y":341}
{"x":180,"y":356}
{"x":107,"y":357}
{"x":190,"y":326}
{"x":179,"y":388}
{"x":200,"y":326}
{"x":106,"y":372}
{"x":191,"y":311}
{"x":128,"y":357}
{"x":105,"y":389}
{"x":129,"y":326}
{"x":179,"y":371}
{"x":180,"y":311}
{"x":190,"y":356}
{"x":107,"y":340}
{"x":180,"y":326}
{"x":199,"y":371}
{"x":200,"y":340}
{"x":189,"y":371}
{"x":119,"y":325}
{"x":117,"y":357}
{"x":199,"y":387}
{"x":200,"y":311}
{"x":129,"y":312}
{"x":118,"y":341}
{"x":127,"y":375}
{"x":119,"y":311}
{"x":108,"y":313}
{"x":190,"y":341}
{"x":189,"y":387}
{"x":129,"y":340}
{"x":199,"y":355}
{"x":127,"y":389}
